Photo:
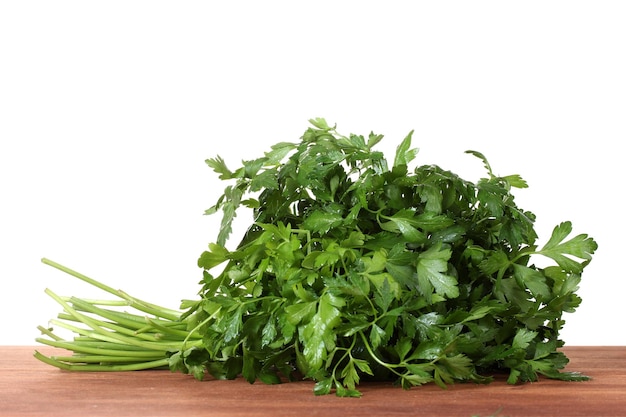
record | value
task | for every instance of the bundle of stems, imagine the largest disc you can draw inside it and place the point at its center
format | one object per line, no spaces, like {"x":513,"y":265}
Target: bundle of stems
{"x":108,"y":338}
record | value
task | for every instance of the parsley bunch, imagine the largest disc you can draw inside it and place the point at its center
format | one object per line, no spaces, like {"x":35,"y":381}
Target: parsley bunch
{"x":354,"y":269}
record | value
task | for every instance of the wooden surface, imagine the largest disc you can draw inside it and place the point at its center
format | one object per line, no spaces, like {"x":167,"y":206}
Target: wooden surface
{"x":31,"y":388}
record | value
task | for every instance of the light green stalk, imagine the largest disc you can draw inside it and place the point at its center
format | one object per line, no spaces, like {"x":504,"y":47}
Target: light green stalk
{"x":106,"y":339}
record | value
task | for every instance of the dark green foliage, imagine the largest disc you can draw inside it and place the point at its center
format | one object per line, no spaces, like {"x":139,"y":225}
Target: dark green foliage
{"x":353,"y":269}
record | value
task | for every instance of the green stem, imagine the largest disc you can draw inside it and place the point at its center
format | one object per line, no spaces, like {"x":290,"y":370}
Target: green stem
{"x":100,"y":333}
{"x":168,"y":330}
{"x":99,"y":368}
{"x":104,"y":359}
{"x":128,"y":321}
{"x":113,"y":340}
{"x":373,"y":356}
{"x":80,"y":348}
{"x":48,"y":332}
{"x":80,"y":276}
{"x":119,"y":339}
{"x":133,"y":301}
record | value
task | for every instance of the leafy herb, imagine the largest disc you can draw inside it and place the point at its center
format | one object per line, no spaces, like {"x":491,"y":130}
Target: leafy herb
{"x":355,"y":270}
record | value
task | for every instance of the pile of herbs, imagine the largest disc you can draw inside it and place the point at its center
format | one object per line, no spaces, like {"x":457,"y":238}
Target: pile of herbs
{"x":352,"y":269}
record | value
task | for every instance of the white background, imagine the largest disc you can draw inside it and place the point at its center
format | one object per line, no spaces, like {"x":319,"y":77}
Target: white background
{"x":109,"y":109}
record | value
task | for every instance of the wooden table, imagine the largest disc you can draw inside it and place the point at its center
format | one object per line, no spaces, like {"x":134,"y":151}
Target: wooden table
{"x":31,"y":388}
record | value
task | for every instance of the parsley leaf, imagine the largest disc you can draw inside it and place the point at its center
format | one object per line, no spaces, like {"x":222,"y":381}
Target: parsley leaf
{"x":432,"y":267}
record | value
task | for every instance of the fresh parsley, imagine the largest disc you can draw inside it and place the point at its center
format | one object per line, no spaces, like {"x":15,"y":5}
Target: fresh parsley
{"x":355,"y":269}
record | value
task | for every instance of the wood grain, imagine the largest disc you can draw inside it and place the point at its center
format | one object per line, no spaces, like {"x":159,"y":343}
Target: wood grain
{"x":31,"y":388}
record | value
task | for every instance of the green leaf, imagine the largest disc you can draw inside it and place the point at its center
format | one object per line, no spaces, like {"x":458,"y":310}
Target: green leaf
{"x":321,"y":221}
{"x":532,"y":279}
{"x":318,"y":259}
{"x":564,"y":283}
{"x":354,"y":240}
{"x":492,"y":195}
{"x":268,"y":377}
{"x":323,"y":387}
{"x":269,"y":333}
{"x":513,"y":376}
{"x":250,"y":366}
{"x":495,"y":262}
{"x":404,"y":153}
{"x":401,"y":266}
{"x":219,"y":166}
{"x":523,"y":337}
{"x":350,"y":376}
{"x":404,"y":275}
{"x":176,"y":363}
{"x":317,"y":336}
{"x":428,"y":350}
{"x":377,"y":335}
{"x":410,"y":233}
{"x":516,"y":181}
{"x":431,"y":222}
{"x":417,"y":376}
{"x":233,"y":323}
{"x":432,"y":267}
{"x":194,"y":360}
{"x":320,"y":123}
{"x":403,"y":222}
{"x":484,"y":308}
{"x":251,"y":168}
{"x":373,"y":140}
{"x":251,"y":203}
{"x":383,"y":297}
{"x":580,"y":246}
{"x":216,"y":255}
{"x":363,"y":366}
{"x":345,"y":392}
{"x":300,"y":312}
{"x":484,"y":159}
{"x":264,"y":180}
{"x":457,"y":367}
{"x":278,"y":152}
{"x":229,"y":207}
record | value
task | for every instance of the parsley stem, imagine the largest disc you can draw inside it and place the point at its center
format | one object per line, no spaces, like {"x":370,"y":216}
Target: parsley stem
{"x":114,"y":340}
{"x":82,"y":348}
{"x":345,"y":355}
{"x":51,"y":360}
{"x":373,"y":356}
{"x":132,"y":301}
{"x":119,"y":333}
